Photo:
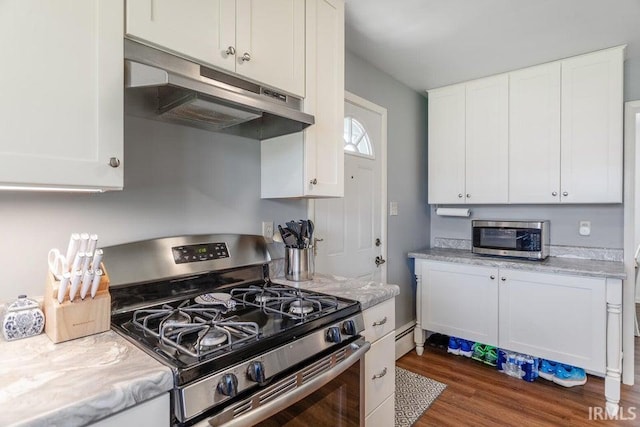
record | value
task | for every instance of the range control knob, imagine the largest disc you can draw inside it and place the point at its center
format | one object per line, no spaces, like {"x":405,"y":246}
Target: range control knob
{"x":255,"y":372}
{"x":333,"y":335}
{"x":349,"y":327}
{"x":228,"y":385}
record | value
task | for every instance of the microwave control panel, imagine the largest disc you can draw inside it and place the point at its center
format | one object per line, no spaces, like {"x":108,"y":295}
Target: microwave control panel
{"x":200,"y":252}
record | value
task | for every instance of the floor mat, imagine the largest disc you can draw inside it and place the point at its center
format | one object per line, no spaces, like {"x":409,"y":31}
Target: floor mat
{"x":414,"y":394}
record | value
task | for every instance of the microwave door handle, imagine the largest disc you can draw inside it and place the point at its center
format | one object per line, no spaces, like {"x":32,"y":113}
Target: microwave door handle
{"x":288,"y":398}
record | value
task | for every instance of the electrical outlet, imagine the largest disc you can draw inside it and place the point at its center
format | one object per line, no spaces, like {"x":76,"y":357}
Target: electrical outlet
{"x":585,"y":228}
{"x":267,"y":231}
{"x":393,"y":208}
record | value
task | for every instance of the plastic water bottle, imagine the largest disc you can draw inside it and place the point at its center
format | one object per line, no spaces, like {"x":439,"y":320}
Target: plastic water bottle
{"x":512,"y":365}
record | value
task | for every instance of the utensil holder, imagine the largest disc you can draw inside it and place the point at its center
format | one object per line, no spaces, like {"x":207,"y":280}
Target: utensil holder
{"x":69,"y":320}
{"x":298,"y":264}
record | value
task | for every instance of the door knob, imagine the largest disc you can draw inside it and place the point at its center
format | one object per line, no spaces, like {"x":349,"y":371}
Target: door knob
{"x":114,"y":162}
{"x":378,"y":242}
{"x":230,"y":50}
{"x":246,"y":57}
{"x":380,"y":261}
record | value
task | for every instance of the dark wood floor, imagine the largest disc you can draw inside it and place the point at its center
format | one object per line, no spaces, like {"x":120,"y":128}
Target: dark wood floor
{"x":478,"y":395}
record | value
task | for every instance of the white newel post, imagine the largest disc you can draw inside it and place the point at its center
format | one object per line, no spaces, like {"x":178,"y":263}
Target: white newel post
{"x":418,"y":333}
{"x":614,"y":346}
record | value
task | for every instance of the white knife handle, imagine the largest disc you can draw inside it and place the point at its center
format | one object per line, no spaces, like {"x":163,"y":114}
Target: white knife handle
{"x":75,"y":284}
{"x":77,"y":262}
{"x":62,"y":289}
{"x":97,"y":259}
{"x":87,"y":280}
{"x":84,"y":242}
{"x":74,"y":244}
{"x":86,"y":262}
{"x":96,"y":283}
{"x":93,"y":242}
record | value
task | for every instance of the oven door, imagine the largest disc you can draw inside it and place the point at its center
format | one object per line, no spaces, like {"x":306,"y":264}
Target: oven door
{"x":328,"y":392}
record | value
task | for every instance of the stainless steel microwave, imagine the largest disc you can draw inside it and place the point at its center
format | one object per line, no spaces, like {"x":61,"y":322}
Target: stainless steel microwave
{"x":521,"y":239}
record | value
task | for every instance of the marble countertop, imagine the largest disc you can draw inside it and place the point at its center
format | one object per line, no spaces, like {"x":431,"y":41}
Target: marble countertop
{"x":561,"y":265}
{"x":75,"y":382}
{"x":369,"y":293}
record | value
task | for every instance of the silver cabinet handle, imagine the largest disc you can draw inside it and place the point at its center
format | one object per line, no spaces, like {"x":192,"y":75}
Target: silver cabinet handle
{"x":380,"y":375}
{"x":468,"y":196}
{"x":246,"y":57}
{"x":564,"y":193}
{"x":554,"y":194}
{"x":459,"y":195}
{"x":314,"y":181}
{"x":230,"y":50}
{"x":114,"y":162}
{"x":380,"y":322}
{"x":504,"y":279}
{"x":492,"y":277}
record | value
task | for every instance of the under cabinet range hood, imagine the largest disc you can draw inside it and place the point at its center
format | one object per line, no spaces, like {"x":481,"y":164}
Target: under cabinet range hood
{"x":169,"y":88}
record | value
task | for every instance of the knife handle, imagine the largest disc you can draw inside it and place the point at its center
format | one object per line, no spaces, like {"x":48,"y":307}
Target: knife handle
{"x":75,"y":284}
{"x":72,"y":248}
{"x":93,"y":242}
{"x":97,"y":259}
{"x":77,"y":262}
{"x":64,"y":283}
{"x":96,"y":283}
{"x":84,"y":242}
{"x":87,"y":280}
{"x":86,"y":262}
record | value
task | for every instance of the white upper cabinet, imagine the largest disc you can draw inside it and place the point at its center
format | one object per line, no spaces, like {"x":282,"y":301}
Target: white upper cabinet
{"x":487,"y":138}
{"x":203,"y":30}
{"x":263,"y":40}
{"x":534,"y":134}
{"x":591,"y":138}
{"x":447,"y":145}
{"x":311,"y":163}
{"x":545,"y":134}
{"x":62,"y":94}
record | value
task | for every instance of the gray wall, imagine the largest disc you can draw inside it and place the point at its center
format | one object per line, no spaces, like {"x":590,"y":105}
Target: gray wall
{"x":632,"y":79}
{"x":178,"y":180}
{"x":406,"y":176}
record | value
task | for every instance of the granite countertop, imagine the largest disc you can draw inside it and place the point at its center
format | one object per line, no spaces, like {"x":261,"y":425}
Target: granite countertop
{"x":561,"y":265}
{"x":75,"y":382}
{"x":369,"y":293}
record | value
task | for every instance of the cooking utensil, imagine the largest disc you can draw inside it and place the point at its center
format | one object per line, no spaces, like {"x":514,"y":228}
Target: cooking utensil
{"x":57,"y":263}
{"x":84,"y":242}
{"x":97,"y":259}
{"x":72,"y":248}
{"x":64,"y":283}
{"x":86,"y":262}
{"x":93,"y":242}
{"x":76,"y":277}
{"x":77,"y":262}
{"x":87,"y":280}
{"x":289,"y":239}
{"x":96,"y":282}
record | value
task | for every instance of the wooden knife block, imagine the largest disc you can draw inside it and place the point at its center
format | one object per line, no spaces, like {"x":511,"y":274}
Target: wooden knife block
{"x":69,"y":320}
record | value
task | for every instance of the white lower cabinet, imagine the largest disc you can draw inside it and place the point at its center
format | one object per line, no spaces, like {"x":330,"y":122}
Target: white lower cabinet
{"x":152,"y":413}
{"x":379,"y":365}
{"x":570,"y":319}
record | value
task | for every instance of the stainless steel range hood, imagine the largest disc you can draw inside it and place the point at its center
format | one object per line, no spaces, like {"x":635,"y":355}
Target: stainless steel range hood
{"x":166,"y":87}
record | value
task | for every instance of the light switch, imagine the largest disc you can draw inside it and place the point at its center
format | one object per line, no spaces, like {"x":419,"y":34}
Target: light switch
{"x":393,"y":208}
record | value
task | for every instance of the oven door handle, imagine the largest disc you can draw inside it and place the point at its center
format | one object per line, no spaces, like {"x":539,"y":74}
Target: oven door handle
{"x":273,"y":407}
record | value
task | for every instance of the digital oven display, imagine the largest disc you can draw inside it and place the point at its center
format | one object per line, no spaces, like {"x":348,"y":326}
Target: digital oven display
{"x":199,"y":252}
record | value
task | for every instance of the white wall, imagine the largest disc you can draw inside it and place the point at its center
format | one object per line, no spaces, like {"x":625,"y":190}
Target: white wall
{"x":178,"y":180}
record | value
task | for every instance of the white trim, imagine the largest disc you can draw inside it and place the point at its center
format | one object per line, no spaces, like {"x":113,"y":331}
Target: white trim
{"x":631,"y":229}
{"x":404,"y":339}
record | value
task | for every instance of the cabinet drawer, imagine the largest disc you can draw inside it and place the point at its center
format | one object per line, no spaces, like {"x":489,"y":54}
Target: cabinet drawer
{"x":379,"y":361}
{"x":379,"y":320}
{"x":384,"y":415}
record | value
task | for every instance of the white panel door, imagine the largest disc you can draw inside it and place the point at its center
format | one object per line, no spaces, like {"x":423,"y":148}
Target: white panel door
{"x":61,"y":115}
{"x":270,"y":37}
{"x":561,"y":318}
{"x":446,"y":144}
{"x":592,"y":104}
{"x":199,"y":29}
{"x":351,"y":227}
{"x":487,"y":140}
{"x":534,"y":134}
{"x":460,"y":300}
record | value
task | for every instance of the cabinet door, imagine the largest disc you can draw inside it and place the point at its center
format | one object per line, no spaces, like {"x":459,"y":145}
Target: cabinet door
{"x":487,"y":125}
{"x":592,"y":103}
{"x":202,"y":30}
{"x":62,"y":93}
{"x":446,"y":145}
{"x":561,"y":318}
{"x":311,"y":163}
{"x":380,"y":373}
{"x":270,"y":38}
{"x":534,"y":134}
{"x":460,"y":300}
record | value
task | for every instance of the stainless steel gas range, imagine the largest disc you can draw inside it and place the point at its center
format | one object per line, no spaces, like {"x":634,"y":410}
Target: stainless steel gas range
{"x":243,"y":350}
